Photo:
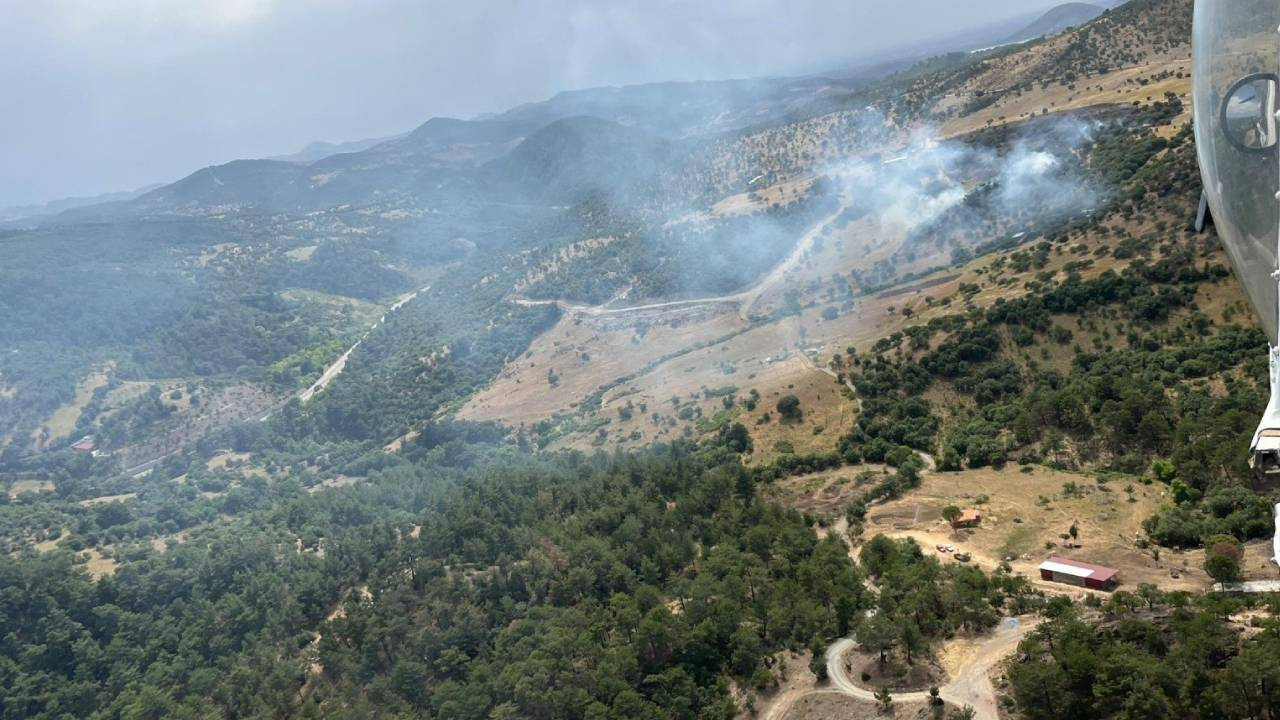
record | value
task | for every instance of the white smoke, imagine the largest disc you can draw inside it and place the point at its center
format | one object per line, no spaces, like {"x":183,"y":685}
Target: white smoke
{"x":917,"y":183}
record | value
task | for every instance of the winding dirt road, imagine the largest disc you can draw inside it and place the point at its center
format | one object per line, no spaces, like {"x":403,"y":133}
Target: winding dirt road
{"x":750,"y":297}
{"x":745,"y":299}
{"x":972,"y":686}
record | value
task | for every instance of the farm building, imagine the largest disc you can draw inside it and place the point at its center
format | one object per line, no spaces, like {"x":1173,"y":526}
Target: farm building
{"x":1071,"y":572}
{"x":84,"y":444}
{"x":968,"y":518}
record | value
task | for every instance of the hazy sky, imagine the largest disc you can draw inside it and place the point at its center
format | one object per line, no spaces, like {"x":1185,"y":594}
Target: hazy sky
{"x":104,"y":95}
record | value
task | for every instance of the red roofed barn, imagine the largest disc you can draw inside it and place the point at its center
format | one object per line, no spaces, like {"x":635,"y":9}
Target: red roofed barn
{"x":1080,"y":574}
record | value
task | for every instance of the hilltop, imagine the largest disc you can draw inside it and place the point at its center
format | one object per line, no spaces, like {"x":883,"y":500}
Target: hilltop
{"x":1056,"y":20}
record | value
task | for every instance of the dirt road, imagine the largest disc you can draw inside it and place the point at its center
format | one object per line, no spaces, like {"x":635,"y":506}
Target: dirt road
{"x":745,"y":299}
{"x":842,"y":684}
{"x":972,"y":686}
{"x":337,"y":366}
{"x":749,"y":298}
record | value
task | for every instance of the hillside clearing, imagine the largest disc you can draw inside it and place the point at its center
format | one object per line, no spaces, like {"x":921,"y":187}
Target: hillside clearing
{"x":63,"y":421}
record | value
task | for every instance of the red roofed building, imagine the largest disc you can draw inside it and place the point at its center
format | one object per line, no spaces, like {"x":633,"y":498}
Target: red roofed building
{"x":1080,"y":574}
{"x":84,"y":444}
{"x":968,"y":518}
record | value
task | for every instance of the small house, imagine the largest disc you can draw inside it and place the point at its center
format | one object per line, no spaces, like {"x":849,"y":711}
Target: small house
{"x":968,"y":518}
{"x":85,"y":444}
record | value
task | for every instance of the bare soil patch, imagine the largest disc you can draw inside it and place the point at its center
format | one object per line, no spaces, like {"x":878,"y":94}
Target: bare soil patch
{"x":833,"y":706}
{"x":301,"y":254}
{"x":17,"y":487}
{"x":50,"y":544}
{"x":575,"y":358}
{"x":103,"y":500}
{"x":334,"y":482}
{"x":223,"y":459}
{"x":99,"y":565}
{"x":865,"y":669}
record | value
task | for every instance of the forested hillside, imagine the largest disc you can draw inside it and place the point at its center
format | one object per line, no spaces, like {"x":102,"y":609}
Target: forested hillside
{"x":654,"y":402}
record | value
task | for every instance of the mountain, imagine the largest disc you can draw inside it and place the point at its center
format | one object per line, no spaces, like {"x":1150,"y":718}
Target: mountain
{"x":459,"y":143}
{"x":553,"y":148}
{"x":687,"y":109}
{"x":419,"y":164}
{"x":1056,"y":20}
{"x":584,"y":125}
{"x":262,"y":182}
{"x":53,"y":207}
{"x":320,"y":149}
{"x":579,"y":155}
{"x":561,"y":161}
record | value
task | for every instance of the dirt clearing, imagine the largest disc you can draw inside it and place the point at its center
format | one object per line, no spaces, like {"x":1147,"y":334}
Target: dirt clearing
{"x":1025,"y":514}
{"x":830,"y":705}
{"x":29,"y":485}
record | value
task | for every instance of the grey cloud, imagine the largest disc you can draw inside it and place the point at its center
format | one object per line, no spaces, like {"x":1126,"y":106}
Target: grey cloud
{"x":110,"y":96}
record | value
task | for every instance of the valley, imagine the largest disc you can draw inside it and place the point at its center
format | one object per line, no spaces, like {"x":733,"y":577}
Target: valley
{"x":761,"y":398}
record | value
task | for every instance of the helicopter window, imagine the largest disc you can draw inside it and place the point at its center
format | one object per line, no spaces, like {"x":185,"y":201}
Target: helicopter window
{"x":1249,"y":112}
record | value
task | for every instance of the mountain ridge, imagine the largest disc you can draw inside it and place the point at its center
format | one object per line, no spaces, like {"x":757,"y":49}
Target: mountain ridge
{"x":1057,"y":19}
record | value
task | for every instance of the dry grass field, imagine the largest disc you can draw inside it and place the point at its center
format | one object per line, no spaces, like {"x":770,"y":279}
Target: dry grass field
{"x":25,"y":485}
{"x":587,"y":351}
{"x":62,"y":422}
{"x":825,"y":706}
{"x":104,"y":499}
{"x":97,"y":564}
{"x":1023,"y":511}
{"x":1122,"y":87}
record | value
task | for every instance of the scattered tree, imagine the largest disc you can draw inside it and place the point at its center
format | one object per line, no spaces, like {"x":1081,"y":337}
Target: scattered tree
{"x":789,"y":408}
{"x":951,"y":513}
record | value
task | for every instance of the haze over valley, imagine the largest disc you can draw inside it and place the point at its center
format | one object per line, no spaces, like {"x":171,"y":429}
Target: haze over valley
{"x":696,"y":397}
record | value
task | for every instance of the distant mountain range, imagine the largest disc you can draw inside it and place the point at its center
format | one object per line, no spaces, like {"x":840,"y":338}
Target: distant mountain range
{"x":1018,"y":28}
{"x":1058,"y":19}
{"x":551,"y":150}
{"x":320,"y":149}
{"x":53,"y":207}
{"x":442,"y":153}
